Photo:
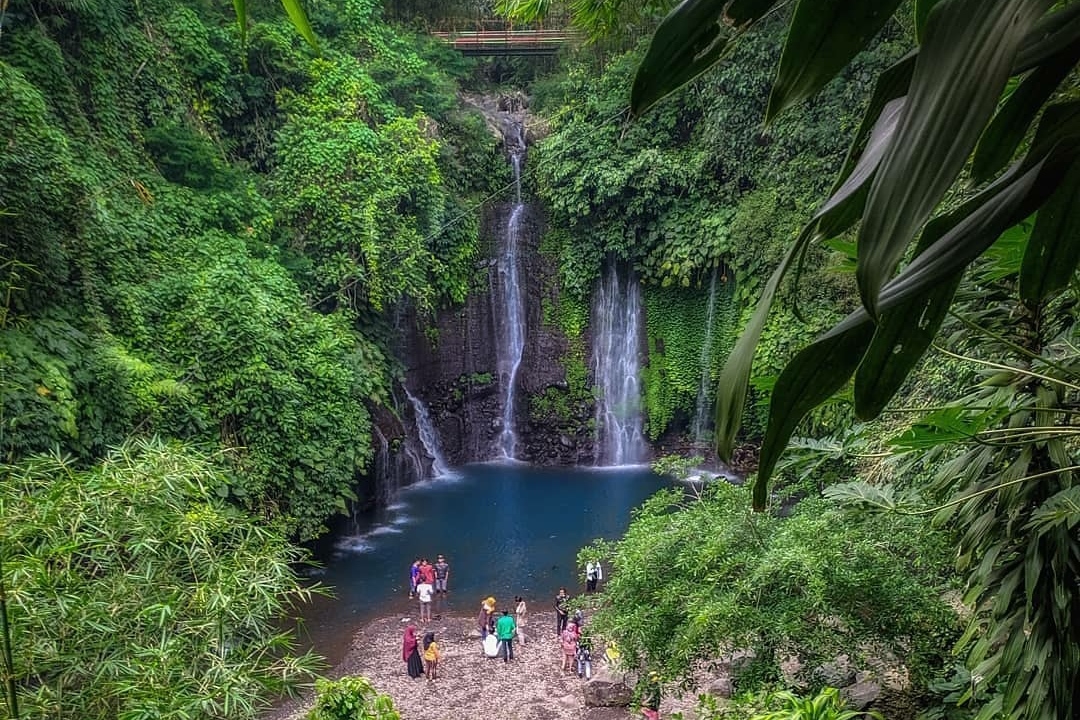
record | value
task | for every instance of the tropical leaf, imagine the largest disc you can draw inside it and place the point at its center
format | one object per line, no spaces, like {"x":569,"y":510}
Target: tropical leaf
{"x":959,"y":75}
{"x":942,"y":427}
{"x":690,"y":40}
{"x":863,"y":495}
{"x":240,"y":8}
{"x":844,"y":204}
{"x":823,"y":36}
{"x":922,"y":12}
{"x":300,"y":21}
{"x":1006,"y":131}
{"x":1053,"y":250}
{"x":1063,"y":508}
{"x":809,"y":379}
{"x":1050,"y":36}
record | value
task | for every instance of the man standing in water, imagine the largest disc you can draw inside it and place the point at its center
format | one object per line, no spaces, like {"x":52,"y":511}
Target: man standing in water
{"x":505,"y":629}
{"x":442,"y":574}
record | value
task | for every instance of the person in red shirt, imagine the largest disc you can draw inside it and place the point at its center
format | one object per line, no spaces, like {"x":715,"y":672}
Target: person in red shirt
{"x":427,"y":572}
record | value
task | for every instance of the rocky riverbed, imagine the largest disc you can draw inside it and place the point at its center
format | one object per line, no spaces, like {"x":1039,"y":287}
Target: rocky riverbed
{"x":469,"y":685}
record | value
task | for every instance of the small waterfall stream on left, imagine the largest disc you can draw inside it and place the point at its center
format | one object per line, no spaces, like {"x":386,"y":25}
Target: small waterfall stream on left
{"x":428,"y":437}
{"x":510,"y":325}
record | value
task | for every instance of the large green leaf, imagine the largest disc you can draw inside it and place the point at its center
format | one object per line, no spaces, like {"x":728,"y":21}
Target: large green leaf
{"x":823,"y":37}
{"x":961,"y":70}
{"x":1007,"y":201}
{"x":922,"y":12}
{"x":1050,"y":36}
{"x":1053,"y":250}
{"x":1006,"y":131}
{"x":732,"y":385}
{"x":240,"y":8}
{"x":809,"y":379}
{"x":690,"y":40}
{"x":300,"y":21}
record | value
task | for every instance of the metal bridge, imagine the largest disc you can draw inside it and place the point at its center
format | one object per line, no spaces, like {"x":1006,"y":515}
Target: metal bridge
{"x":507,"y":41}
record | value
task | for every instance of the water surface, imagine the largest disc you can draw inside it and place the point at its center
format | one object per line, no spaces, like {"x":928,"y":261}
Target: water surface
{"x":506,"y":530}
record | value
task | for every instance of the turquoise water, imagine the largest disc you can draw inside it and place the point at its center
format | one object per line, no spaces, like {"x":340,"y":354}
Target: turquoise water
{"x":506,"y":530}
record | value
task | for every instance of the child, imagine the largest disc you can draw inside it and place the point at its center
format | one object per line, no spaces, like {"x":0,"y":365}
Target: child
{"x":431,"y":656}
{"x":584,"y":658}
{"x":569,"y":641}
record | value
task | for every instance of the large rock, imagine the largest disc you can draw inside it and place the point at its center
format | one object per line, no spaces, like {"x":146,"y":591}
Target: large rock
{"x":837,"y":673}
{"x":606,"y":690}
{"x":861,"y":695}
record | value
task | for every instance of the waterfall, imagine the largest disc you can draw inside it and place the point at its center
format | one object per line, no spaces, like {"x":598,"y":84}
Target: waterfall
{"x":428,"y":437}
{"x":616,"y":320}
{"x":702,"y":411}
{"x":510,"y":324}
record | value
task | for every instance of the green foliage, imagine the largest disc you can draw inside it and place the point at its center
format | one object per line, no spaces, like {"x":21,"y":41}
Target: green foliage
{"x":693,"y":577}
{"x":134,"y":591}
{"x":826,"y":705}
{"x":351,"y":698}
{"x":676,"y":466}
{"x":677,"y":327}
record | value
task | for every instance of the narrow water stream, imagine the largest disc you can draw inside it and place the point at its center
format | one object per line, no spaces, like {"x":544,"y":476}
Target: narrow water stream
{"x":506,"y":530}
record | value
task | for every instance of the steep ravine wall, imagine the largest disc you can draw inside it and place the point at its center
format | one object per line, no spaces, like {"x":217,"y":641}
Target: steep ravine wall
{"x":451,"y":363}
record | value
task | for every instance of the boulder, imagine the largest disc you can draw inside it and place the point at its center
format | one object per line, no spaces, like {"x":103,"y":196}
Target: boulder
{"x":606,"y":690}
{"x":722,"y":687}
{"x":861,"y":695}
{"x":837,"y":673}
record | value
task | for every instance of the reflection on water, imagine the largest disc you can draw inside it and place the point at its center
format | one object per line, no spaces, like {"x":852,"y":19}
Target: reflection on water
{"x":506,"y":530}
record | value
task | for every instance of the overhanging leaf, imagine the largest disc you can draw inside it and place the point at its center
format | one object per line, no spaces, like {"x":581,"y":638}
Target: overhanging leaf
{"x":962,"y":67}
{"x":809,"y":378}
{"x":1007,"y":130}
{"x":240,"y":8}
{"x":1053,"y":250}
{"x":690,"y":40}
{"x":1050,"y":36}
{"x":922,"y":12}
{"x":822,"y":38}
{"x":732,"y":385}
{"x":300,"y":21}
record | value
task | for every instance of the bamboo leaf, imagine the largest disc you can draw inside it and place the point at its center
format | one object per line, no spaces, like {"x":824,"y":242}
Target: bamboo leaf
{"x":1053,"y":250}
{"x":959,"y":75}
{"x":300,"y":21}
{"x":809,"y":379}
{"x":1007,"y":130}
{"x":823,"y":37}
{"x":690,"y":40}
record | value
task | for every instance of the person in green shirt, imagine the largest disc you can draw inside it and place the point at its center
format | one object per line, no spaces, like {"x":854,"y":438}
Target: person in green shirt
{"x":504,"y":630}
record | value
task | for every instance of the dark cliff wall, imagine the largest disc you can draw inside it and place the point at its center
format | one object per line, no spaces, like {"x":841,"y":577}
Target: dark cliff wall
{"x":451,"y":364}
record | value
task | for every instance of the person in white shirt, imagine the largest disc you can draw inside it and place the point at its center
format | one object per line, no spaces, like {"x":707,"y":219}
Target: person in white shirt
{"x":593,"y":574}
{"x":425,"y":591}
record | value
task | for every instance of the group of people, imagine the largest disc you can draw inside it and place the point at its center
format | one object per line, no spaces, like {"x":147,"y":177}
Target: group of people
{"x":420,"y":659}
{"x":497,"y":634}
{"x":575,"y":643}
{"x":426,"y":581}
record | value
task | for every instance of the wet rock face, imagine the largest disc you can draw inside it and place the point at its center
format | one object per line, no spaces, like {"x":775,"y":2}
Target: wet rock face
{"x":453,"y":364}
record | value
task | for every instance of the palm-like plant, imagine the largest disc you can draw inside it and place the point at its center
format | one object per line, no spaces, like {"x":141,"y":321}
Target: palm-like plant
{"x":826,"y":705}
{"x":946,"y":121}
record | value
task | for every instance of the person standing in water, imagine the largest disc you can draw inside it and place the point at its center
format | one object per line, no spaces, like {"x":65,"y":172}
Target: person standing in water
{"x":414,"y":577}
{"x":442,"y":574}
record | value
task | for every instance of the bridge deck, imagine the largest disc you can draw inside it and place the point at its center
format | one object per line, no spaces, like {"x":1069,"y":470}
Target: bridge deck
{"x":507,"y":42}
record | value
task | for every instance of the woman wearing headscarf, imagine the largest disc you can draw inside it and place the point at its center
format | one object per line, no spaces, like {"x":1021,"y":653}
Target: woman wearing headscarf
{"x":410,"y":653}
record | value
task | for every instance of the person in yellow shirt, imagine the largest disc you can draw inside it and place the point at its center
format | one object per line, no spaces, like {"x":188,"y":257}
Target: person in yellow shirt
{"x":431,"y":656}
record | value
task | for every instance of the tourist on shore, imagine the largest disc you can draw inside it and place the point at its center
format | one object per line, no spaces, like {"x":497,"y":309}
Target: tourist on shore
{"x":414,"y":577}
{"x":562,"y":611}
{"x":484,"y":618}
{"x":505,"y":629}
{"x":442,"y":574}
{"x":579,"y":619}
{"x":593,"y":574}
{"x":425,"y":591}
{"x":491,"y":645}
{"x":569,"y":642}
{"x":431,"y":656}
{"x":584,"y":657}
{"x":409,"y":653}
{"x":520,"y":611}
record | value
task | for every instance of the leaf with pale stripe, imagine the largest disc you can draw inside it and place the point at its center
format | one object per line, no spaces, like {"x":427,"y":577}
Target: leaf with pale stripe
{"x":822,"y":38}
{"x":961,"y":70}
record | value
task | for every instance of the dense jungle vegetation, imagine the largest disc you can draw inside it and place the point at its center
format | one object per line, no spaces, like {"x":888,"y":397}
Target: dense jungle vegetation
{"x":207,"y":227}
